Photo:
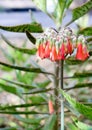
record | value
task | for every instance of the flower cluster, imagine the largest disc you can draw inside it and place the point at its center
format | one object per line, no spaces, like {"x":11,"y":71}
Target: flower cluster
{"x":58,"y":45}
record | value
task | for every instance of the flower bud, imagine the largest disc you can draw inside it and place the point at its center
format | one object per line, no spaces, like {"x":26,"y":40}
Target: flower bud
{"x":51,"y":108}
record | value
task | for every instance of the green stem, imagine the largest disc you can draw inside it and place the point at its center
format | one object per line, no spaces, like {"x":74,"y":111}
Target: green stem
{"x":56,"y":93}
{"x":62,"y":114}
{"x":26,"y":109}
{"x":61,"y":74}
{"x":62,"y":98}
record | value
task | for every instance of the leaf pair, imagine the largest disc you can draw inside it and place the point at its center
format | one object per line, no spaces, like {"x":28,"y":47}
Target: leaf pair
{"x":83,"y":109}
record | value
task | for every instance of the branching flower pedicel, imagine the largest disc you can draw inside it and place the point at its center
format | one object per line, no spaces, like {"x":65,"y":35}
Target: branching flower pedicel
{"x":59,"y":45}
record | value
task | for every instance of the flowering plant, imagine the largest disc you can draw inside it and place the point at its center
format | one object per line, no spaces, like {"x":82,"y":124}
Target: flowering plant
{"x":64,"y":49}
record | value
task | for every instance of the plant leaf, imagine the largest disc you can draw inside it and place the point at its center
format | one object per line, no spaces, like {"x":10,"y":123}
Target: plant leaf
{"x":34,"y":70}
{"x":23,"y":50}
{"x":26,"y":86}
{"x":11,"y":89}
{"x":41,"y":4}
{"x":28,"y":121}
{"x":30,"y":37}
{"x":50,"y":123}
{"x":40,"y":90}
{"x":4,"y":107}
{"x":58,"y":12}
{"x":37,"y":99}
{"x":33,"y":27}
{"x":88,"y":39}
{"x":72,"y":61}
{"x":80,"y":11}
{"x":82,"y":109}
{"x":82,"y":85}
{"x":21,"y":112}
{"x":82,"y":74}
{"x":81,"y":125}
{"x":72,"y":126}
{"x":7,"y":55}
{"x":68,"y":2}
{"x":86,"y":31}
{"x":9,"y":128}
{"x":43,"y":84}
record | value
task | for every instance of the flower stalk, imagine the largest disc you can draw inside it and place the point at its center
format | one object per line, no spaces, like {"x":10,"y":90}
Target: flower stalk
{"x":62,"y":98}
{"x":56,"y":93}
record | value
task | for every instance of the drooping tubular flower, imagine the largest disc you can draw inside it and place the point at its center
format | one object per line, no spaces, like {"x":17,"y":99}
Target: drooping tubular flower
{"x":62,"y":52}
{"x":82,"y":51}
{"x":51,"y":107}
{"x":53,"y":54}
{"x":58,"y":45}
{"x":41,"y":51}
{"x":69,"y":47}
{"x":47,"y":49}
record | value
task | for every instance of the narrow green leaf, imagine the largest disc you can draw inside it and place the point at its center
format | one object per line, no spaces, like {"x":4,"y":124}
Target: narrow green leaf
{"x":34,"y":70}
{"x":86,"y":31}
{"x":50,"y":123}
{"x":37,"y":99}
{"x":41,"y":90}
{"x":71,"y":126}
{"x":81,"y":125}
{"x":8,"y":107}
{"x":10,"y":89}
{"x":30,"y":37}
{"x":19,"y":84}
{"x":80,"y":11}
{"x":88,"y":104}
{"x":33,"y":27}
{"x":30,"y":128}
{"x":73,"y":61}
{"x":7,"y":55}
{"x":59,"y":11}
{"x":82,"y":109}
{"x":90,"y":53}
{"x":82,"y":74}
{"x":23,"y":50}
{"x":41,"y":4}
{"x":28,"y":121}
{"x":82,"y":85}
{"x":88,"y":39}
{"x":43,"y":84}
{"x":68,"y":2}
{"x":22,"y":112}
{"x":9,"y":128}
